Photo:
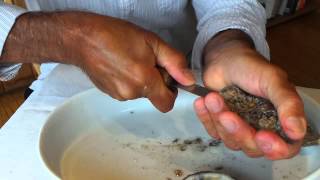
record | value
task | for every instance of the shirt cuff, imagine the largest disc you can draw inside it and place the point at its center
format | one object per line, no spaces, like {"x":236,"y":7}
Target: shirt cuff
{"x":8,"y":15}
{"x":9,"y":71}
{"x":231,"y":19}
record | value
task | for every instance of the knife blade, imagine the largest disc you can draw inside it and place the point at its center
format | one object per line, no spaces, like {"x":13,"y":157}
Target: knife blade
{"x":194,"y":89}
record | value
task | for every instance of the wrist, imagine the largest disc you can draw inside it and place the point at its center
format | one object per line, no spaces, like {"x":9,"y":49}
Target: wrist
{"x":72,"y":42}
{"x":226,"y":45}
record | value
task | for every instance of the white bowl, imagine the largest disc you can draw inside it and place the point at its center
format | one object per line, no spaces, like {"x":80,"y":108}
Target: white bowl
{"x":92,"y":136}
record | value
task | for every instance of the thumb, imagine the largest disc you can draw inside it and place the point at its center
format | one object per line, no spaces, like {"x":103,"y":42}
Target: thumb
{"x":158,"y":93}
{"x":172,"y":60}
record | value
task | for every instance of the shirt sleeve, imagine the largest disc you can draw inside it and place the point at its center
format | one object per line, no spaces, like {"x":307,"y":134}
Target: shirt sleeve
{"x":219,"y":15}
{"x":8,"y":15}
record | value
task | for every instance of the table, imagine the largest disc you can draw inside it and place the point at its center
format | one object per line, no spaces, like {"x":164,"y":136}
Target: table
{"x":19,"y":140}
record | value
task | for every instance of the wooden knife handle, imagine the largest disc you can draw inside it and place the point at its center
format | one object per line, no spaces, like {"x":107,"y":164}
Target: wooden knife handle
{"x":168,"y":80}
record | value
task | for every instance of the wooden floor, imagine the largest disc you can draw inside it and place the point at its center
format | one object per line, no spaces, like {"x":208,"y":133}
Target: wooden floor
{"x":9,"y":103}
{"x":295,"y":46}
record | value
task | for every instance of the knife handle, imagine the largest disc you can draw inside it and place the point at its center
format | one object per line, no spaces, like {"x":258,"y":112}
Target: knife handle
{"x":168,"y":80}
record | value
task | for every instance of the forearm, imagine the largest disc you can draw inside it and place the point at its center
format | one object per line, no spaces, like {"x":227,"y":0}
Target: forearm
{"x":225,"y":41}
{"x":38,"y":37}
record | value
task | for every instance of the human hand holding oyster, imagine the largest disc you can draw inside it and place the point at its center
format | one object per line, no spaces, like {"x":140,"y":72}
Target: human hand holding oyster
{"x":230,"y":59}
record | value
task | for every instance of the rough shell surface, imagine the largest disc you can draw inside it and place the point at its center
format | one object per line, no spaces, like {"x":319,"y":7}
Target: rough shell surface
{"x":258,"y":112}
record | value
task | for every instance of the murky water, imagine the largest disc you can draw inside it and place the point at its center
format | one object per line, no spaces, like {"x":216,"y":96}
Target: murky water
{"x":99,"y":155}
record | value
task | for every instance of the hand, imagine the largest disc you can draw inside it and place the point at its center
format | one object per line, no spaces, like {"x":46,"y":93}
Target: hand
{"x":231,"y":59}
{"x":119,"y":57}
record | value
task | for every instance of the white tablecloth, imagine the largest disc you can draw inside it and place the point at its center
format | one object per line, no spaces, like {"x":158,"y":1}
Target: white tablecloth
{"x":20,"y":157}
{"x":19,"y":140}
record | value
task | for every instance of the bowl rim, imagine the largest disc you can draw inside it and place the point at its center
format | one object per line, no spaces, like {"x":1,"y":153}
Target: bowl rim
{"x":48,"y":122}
{"x":49,"y":118}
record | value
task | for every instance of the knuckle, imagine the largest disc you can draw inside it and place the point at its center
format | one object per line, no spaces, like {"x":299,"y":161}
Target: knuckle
{"x":281,"y":73}
{"x":167,"y":109}
{"x":214,"y":134}
{"x":253,"y":154}
{"x":118,"y":97}
{"x":212,"y":77}
{"x":141,"y":81}
{"x":129,"y":92}
{"x":128,"y":95}
{"x":179,"y":58}
{"x":141,"y":74}
{"x":151,"y":37}
{"x":207,"y":122}
{"x":294,"y":101}
{"x":275,"y":71}
{"x":251,"y":151}
{"x":232,"y":145}
{"x":114,"y":94}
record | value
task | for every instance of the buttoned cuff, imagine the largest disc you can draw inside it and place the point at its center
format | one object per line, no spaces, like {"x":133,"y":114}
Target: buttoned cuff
{"x":9,"y":71}
{"x":8,"y":16}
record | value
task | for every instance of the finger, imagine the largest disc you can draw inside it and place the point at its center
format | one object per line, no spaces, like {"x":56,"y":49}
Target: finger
{"x":227,"y":138}
{"x":215,"y":105}
{"x":272,"y":83}
{"x":106,"y":87}
{"x":172,"y":60}
{"x":203,"y":114}
{"x":158,"y":93}
{"x":129,"y":90}
{"x":240,"y":132}
{"x":214,"y":77}
{"x":274,"y":147}
{"x":289,"y":106}
{"x":261,"y":78}
{"x":232,"y":129}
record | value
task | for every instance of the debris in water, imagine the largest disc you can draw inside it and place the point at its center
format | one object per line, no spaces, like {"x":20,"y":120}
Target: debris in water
{"x":178,"y":172}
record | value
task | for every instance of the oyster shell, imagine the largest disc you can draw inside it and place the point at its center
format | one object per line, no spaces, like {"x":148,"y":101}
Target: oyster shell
{"x":260,"y":113}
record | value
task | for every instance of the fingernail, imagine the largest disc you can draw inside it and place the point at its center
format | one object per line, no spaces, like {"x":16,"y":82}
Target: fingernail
{"x":188,"y":74}
{"x":295,"y":125}
{"x":215,"y":105}
{"x":229,"y":125}
{"x":265,"y":146}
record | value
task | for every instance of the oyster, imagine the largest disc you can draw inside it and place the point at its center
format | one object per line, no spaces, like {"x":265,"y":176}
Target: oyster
{"x":260,"y":113}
